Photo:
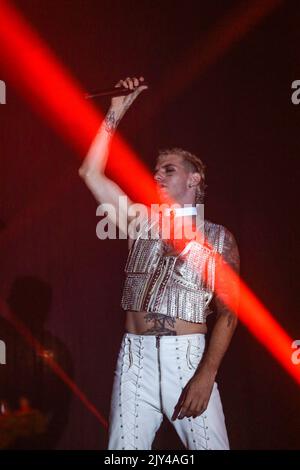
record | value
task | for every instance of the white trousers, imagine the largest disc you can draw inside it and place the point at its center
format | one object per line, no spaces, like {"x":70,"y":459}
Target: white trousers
{"x":150,"y":375}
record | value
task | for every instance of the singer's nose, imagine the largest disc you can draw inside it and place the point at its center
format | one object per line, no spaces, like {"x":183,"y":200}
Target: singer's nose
{"x":158,"y":177}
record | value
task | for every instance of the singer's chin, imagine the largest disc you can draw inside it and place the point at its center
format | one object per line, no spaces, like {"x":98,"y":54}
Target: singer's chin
{"x":163,"y":196}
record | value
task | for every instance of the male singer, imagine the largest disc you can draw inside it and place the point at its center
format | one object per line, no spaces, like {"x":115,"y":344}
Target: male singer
{"x":164,"y":366}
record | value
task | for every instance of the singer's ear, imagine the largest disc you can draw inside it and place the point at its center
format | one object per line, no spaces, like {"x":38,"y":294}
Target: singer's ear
{"x":194,"y":179}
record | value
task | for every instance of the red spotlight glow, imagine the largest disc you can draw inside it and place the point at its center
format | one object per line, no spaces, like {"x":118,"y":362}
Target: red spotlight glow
{"x":40,"y":351}
{"x":257,"y":318}
{"x":51,"y":90}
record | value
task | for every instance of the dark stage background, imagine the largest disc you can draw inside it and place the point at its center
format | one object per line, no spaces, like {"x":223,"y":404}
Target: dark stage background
{"x":238,"y":115}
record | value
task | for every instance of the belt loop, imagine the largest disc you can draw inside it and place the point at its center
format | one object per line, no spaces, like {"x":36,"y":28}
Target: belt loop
{"x":188,"y":358}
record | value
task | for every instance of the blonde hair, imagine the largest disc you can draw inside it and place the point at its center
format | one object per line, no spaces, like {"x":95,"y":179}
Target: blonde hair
{"x":193,"y":164}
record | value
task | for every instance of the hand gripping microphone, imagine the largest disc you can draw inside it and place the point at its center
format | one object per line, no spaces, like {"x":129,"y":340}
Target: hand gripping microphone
{"x":116,"y":91}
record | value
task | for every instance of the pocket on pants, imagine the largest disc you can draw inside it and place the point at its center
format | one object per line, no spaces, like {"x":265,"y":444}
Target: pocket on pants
{"x":194,"y":353}
{"x":125,"y":357}
{"x":128,"y":355}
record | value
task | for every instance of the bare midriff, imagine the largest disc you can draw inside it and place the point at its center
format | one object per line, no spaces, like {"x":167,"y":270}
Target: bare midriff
{"x":145,"y":323}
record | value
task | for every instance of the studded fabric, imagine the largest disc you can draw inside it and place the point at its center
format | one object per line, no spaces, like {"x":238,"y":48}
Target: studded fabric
{"x":179,"y":286}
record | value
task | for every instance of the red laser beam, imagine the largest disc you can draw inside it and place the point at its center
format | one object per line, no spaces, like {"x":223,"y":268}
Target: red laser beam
{"x":255,"y":317}
{"x":40,"y":351}
{"x":58,"y":98}
{"x":34,"y":70}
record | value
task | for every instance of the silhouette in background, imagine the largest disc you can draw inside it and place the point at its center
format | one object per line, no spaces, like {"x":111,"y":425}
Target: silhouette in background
{"x":29,"y":389}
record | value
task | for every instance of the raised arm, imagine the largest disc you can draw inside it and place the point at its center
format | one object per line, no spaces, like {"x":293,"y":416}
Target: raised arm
{"x":93,"y":168}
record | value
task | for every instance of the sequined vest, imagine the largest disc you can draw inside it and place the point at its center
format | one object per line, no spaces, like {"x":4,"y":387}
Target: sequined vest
{"x":179,"y":286}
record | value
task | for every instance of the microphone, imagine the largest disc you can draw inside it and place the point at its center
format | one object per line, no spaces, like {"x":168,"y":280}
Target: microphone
{"x":116,"y":91}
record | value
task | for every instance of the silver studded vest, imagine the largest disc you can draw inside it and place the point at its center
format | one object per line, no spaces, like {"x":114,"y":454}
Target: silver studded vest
{"x":172,"y":285}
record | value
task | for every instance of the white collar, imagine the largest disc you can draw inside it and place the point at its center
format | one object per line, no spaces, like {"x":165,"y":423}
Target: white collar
{"x":181,"y":211}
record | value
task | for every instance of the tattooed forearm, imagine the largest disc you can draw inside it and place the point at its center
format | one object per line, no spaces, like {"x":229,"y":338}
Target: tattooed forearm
{"x":226,"y":303}
{"x":115,"y":115}
{"x":111,"y":121}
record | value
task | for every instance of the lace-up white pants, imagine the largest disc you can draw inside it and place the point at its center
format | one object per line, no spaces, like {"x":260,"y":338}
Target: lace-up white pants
{"x":149,"y":378}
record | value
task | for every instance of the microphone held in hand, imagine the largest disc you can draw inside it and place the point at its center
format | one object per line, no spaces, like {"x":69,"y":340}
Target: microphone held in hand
{"x":116,"y":91}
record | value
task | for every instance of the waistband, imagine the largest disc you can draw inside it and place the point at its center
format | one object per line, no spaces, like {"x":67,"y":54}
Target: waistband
{"x":165,"y":338}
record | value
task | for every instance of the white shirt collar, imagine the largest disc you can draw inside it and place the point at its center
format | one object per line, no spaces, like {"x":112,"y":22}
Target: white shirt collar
{"x":181,"y":211}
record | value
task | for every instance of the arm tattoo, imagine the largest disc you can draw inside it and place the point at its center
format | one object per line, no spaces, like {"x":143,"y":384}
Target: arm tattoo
{"x":228,"y":288}
{"x":110,"y":122}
